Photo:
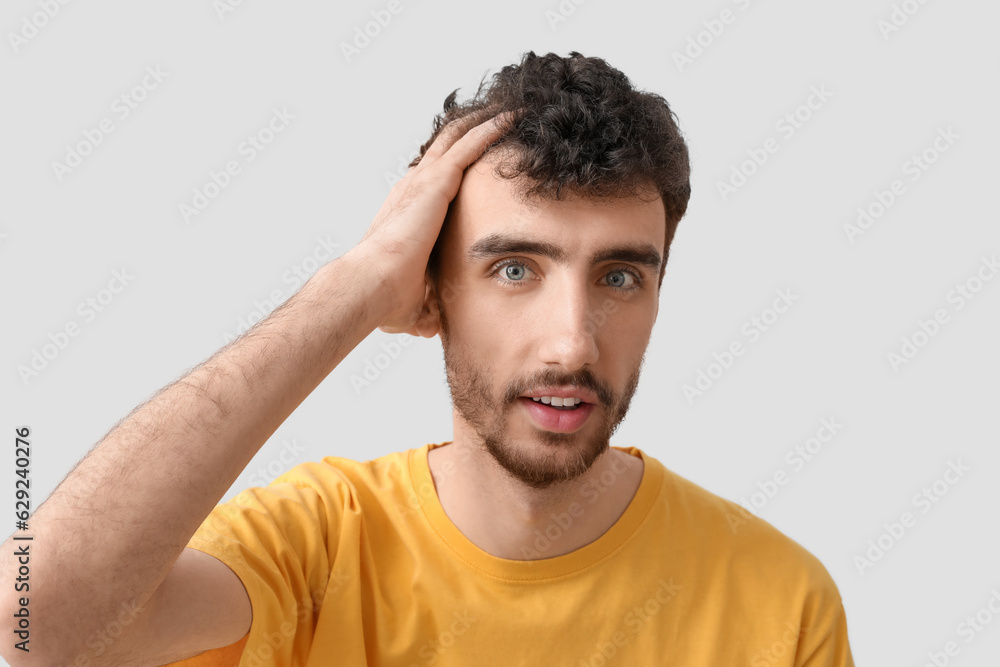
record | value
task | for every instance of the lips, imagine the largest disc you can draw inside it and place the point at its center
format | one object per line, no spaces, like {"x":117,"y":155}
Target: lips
{"x":585,"y":395}
{"x":555,"y":419}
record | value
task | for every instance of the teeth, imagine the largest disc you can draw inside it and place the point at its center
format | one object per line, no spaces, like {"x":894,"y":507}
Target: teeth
{"x":557,"y":401}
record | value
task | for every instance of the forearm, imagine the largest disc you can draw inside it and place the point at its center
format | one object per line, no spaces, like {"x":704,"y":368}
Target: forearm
{"x":109,"y":534}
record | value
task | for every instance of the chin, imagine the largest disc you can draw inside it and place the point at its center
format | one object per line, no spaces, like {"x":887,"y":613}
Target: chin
{"x":544,"y":458}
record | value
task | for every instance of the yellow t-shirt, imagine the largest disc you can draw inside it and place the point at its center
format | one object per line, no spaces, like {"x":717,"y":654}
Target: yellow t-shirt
{"x":356,"y":563}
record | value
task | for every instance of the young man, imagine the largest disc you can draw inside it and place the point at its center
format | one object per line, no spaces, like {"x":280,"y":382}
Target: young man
{"x":532,"y":236}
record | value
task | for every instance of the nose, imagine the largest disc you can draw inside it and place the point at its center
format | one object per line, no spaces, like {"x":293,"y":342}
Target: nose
{"x":568,"y":331}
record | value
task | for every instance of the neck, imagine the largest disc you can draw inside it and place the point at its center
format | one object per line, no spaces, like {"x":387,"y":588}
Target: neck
{"x":508,"y":519}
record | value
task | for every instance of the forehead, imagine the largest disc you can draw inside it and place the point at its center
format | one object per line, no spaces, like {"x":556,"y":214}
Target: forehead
{"x":487,"y":204}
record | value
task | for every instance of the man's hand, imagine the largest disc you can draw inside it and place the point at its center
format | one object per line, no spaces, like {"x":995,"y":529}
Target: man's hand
{"x":113,"y":535}
{"x":405,"y":229}
{"x":157,"y":474}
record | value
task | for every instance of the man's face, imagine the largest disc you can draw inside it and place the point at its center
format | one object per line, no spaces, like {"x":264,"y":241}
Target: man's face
{"x":542,"y":297}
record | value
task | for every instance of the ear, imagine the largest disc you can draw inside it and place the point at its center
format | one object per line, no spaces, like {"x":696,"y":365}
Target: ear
{"x":428,"y":324}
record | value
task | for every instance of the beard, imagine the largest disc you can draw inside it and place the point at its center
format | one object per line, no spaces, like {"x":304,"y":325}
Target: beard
{"x":564,"y":456}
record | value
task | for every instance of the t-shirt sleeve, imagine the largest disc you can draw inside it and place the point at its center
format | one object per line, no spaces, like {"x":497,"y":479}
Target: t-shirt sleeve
{"x":834,"y":649}
{"x":824,"y":641}
{"x":275,"y":539}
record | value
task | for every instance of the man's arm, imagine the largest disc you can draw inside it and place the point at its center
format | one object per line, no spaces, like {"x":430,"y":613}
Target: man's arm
{"x":111,"y":531}
{"x":112,"y":534}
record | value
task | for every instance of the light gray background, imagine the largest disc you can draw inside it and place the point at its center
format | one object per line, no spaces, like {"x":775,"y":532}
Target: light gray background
{"x":327,"y":174}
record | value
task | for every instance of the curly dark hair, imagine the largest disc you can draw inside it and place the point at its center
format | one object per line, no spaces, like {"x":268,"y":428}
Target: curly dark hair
{"x":579,"y":125}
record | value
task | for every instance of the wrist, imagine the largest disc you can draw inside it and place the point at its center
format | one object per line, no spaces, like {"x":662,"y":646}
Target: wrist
{"x":361,"y":270}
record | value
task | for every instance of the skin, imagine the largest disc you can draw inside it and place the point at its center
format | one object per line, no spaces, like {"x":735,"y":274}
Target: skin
{"x":181,"y":450}
{"x":110,"y":541}
{"x":501,"y":341}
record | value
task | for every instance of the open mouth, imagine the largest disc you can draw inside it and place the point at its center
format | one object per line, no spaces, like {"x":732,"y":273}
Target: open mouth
{"x":557,"y":418}
{"x":558,"y":403}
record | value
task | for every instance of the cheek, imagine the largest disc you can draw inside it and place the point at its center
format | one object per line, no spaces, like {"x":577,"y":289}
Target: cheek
{"x":499,"y":331}
{"x":487,"y":324}
{"x":489,"y":310}
{"x":621,"y":323}
{"x":639,"y":332}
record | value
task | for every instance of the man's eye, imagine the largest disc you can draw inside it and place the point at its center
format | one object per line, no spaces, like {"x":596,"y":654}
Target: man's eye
{"x":619,"y":279}
{"x":623,"y":279}
{"x":513,"y":272}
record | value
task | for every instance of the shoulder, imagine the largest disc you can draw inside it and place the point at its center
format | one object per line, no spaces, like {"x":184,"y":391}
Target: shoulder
{"x":749,"y":548}
{"x":344,"y":480}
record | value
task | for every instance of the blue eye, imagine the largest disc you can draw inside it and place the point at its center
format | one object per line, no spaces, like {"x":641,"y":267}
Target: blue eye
{"x":621,"y":278}
{"x":513,"y":271}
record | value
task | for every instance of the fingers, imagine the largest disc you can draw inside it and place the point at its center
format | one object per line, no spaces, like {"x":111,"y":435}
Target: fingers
{"x":458,"y":131}
{"x":474,"y":143}
{"x":449,"y":134}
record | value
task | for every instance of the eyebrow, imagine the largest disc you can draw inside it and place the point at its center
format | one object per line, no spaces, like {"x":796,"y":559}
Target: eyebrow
{"x":497,"y":244}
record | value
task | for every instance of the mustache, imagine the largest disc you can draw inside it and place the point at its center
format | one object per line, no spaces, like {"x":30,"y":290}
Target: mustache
{"x":584,"y":379}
